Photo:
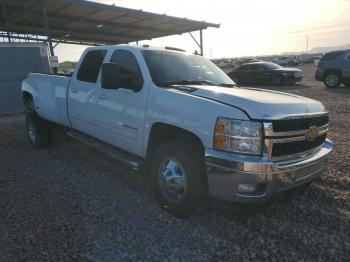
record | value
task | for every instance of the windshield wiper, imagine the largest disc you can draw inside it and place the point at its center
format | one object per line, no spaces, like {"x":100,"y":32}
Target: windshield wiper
{"x":189,"y":82}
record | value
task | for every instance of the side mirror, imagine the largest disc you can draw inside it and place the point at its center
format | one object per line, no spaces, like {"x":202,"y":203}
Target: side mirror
{"x":110,"y":76}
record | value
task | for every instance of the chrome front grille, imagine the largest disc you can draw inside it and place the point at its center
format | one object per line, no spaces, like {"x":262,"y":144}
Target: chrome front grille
{"x":289,"y":137}
{"x":299,"y":124}
{"x":296,"y":147}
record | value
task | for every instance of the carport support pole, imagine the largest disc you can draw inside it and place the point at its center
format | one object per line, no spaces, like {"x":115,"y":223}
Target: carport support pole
{"x":6,"y":21}
{"x":48,"y":33}
{"x":201,"y":41}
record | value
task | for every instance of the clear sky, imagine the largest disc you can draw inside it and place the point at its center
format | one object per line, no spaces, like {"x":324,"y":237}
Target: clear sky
{"x":248,"y":27}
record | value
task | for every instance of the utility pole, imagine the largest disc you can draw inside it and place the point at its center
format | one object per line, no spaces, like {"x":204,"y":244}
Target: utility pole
{"x":307,"y":43}
{"x":201,"y":42}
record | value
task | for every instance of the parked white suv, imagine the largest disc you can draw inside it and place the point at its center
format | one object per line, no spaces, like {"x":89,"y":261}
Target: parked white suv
{"x":181,"y":119}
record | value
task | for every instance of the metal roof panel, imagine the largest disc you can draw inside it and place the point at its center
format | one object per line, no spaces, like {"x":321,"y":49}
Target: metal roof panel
{"x":86,"y":21}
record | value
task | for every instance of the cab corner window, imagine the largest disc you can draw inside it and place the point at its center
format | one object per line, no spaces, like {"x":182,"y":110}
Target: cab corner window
{"x":130,"y":74}
{"x":91,"y":65}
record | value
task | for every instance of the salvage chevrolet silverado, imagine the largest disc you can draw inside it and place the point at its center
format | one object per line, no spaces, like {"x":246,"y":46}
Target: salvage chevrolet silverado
{"x":184,"y":121}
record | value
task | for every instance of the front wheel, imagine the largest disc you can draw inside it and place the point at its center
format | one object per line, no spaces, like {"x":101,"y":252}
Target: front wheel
{"x":178,"y":177}
{"x":332,"y":80}
{"x":37,"y":131}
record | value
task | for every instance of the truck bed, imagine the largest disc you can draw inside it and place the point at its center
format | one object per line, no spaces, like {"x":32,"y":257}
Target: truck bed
{"x":50,"y":95}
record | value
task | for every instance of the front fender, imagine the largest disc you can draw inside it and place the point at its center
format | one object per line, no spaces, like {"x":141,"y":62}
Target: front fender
{"x":197,"y":115}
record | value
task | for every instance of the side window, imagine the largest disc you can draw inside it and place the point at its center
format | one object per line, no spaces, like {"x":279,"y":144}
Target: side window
{"x":256,"y":68}
{"x":130,"y":73}
{"x":91,"y":65}
{"x":245,"y":68}
{"x":263,"y":67}
{"x":331,"y":56}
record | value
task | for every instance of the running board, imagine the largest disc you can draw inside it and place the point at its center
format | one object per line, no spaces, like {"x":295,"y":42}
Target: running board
{"x":130,"y":160}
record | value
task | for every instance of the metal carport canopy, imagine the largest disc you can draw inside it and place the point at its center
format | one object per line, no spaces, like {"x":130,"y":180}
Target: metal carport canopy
{"x":86,"y":22}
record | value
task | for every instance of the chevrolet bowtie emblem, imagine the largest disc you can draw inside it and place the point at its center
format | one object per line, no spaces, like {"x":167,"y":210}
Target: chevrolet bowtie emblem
{"x":312,"y":134}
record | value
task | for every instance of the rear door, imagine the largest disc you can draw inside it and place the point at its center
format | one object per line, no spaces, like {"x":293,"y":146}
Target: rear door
{"x":84,"y":91}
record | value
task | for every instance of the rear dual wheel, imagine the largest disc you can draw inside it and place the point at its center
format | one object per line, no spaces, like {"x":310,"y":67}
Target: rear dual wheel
{"x":37,"y":130}
{"x":42,"y":133}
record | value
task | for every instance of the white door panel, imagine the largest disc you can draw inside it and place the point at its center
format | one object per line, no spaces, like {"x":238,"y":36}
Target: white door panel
{"x":121,"y":110}
{"x":122,"y":115}
{"x":83,"y":93}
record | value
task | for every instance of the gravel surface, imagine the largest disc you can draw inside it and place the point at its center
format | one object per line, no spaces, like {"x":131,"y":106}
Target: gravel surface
{"x":70,"y":203}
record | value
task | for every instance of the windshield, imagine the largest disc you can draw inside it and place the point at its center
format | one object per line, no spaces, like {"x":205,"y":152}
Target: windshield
{"x":272,"y":66}
{"x":168,"y":68}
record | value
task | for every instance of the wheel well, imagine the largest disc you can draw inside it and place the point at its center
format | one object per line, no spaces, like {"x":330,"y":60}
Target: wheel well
{"x":28,"y":101}
{"x":161,"y":133}
{"x":332,"y":71}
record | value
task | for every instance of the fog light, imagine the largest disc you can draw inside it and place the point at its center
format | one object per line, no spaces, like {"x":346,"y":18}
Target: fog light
{"x":247,"y":188}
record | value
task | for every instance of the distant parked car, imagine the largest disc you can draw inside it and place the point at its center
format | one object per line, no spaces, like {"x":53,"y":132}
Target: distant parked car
{"x":266,"y":73}
{"x":334,"y":68}
{"x":311,"y":59}
{"x":288,"y":60}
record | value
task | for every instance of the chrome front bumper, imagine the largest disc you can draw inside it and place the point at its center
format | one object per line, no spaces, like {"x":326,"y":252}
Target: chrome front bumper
{"x":226,"y":172}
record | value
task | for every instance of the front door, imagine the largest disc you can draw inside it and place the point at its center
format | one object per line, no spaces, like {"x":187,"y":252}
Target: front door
{"x":256,"y":73}
{"x":121,"y":110}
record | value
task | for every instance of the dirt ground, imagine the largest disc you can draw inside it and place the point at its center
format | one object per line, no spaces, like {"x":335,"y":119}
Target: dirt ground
{"x":70,"y":203}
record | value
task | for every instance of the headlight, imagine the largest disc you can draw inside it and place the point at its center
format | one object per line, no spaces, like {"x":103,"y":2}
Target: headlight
{"x":238,"y":136}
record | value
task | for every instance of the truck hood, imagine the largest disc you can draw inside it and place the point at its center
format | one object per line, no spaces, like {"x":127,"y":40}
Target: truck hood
{"x":258,"y":103}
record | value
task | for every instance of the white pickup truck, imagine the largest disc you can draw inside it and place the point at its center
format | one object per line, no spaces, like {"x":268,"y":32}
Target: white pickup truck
{"x":185,"y":122}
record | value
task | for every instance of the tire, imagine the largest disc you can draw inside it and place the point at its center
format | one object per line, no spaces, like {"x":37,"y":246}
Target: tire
{"x":276,"y":81}
{"x":29,"y":105}
{"x":183,"y":161}
{"x":332,"y":80}
{"x":37,"y":131}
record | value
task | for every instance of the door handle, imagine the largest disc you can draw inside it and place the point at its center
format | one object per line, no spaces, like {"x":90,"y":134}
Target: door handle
{"x":74,"y":91}
{"x":103,"y":97}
